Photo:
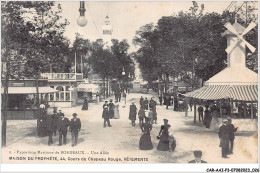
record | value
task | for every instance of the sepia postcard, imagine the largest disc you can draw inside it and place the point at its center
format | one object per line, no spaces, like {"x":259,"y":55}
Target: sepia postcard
{"x":127,"y":82}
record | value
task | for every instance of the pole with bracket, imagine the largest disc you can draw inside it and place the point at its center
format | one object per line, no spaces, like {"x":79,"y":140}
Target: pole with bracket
{"x":252,"y":110}
{"x":194,"y":101}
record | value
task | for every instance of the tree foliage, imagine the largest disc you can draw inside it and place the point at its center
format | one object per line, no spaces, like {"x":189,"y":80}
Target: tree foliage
{"x":188,"y":45}
{"x":48,"y":47}
{"x":111,"y":62}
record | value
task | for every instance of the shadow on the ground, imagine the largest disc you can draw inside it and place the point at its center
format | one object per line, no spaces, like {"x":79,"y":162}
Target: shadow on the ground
{"x":190,"y":122}
{"x":129,"y":144}
{"x":245,"y":133}
{"x":32,"y":131}
{"x":80,"y":140}
{"x":170,"y":157}
{"x":83,"y":132}
{"x":195,"y":131}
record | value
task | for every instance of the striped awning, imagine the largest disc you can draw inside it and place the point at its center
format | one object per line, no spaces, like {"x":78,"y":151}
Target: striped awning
{"x":244,"y":92}
{"x":235,"y":92}
{"x":213,"y":92}
{"x":194,"y":92}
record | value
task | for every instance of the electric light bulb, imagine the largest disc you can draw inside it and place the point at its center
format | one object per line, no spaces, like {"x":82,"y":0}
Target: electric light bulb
{"x":82,"y":21}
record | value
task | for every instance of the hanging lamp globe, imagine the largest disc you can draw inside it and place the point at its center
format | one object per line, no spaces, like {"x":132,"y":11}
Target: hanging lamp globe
{"x":82,"y":21}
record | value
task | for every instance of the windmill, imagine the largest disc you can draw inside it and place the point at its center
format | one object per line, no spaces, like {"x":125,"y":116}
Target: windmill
{"x":236,"y":44}
{"x":240,"y":37}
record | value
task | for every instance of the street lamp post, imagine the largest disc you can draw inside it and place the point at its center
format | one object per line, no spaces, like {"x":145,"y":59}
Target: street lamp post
{"x":123,"y":74}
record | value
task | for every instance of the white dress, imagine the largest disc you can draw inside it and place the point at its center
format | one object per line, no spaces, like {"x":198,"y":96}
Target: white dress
{"x":116,"y":111}
{"x":123,"y":102}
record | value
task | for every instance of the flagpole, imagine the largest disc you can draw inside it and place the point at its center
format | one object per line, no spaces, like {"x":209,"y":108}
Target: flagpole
{"x":81,"y":64}
{"x":75,"y":64}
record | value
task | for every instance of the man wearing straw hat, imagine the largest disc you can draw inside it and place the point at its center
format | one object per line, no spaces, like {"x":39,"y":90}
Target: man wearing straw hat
{"x":75,"y":126}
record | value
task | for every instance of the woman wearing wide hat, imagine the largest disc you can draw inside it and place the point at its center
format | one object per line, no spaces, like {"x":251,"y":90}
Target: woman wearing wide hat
{"x":145,"y":142}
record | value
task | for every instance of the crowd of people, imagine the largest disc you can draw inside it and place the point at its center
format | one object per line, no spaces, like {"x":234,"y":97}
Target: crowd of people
{"x":175,"y":100}
{"x":147,"y":115}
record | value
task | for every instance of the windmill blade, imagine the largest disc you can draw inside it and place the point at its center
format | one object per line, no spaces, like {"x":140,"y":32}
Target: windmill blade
{"x":252,"y":48}
{"x":231,"y":28}
{"x":250,"y":26}
{"x":231,"y":47}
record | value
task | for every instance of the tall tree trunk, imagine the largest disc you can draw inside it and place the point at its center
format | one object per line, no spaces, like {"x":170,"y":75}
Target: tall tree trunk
{"x":147,"y":88}
{"x":4,"y":105}
{"x":107,"y":88}
{"x":104,"y":87}
{"x":166,"y":82}
{"x":195,"y":110}
{"x":37,"y":103}
{"x":159,"y":85}
{"x":50,"y":67}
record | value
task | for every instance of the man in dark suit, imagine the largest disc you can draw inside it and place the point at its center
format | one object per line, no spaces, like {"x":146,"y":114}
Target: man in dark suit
{"x":224,"y":138}
{"x":49,"y":123}
{"x":132,"y":113}
{"x":145,"y":102}
{"x":105,"y":114}
{"x":111,"y":107}
{"x":232,"y":131}
{"x":197,"y":155}
{"x":200,"y":110}
{"x":168,"y":101}
{"x":56,"y":117}
{"x":152,"y":105}
{"x":142,"y":102}
{"x":75,"y":126}
{"x":63,"y":128}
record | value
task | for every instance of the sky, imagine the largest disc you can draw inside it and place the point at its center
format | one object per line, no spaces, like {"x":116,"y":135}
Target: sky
{"x":126,"y":17}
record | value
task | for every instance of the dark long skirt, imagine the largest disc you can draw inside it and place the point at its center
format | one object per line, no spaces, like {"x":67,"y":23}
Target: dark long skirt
{"x":85,"y":106}
{"x":111,"y":114}
{"x":163,"y":144}
{"x":207,"y":121}
{"x":145,"y":142}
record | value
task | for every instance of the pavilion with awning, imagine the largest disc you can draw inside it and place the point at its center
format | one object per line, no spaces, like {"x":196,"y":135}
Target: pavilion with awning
{"x":236,"y":82}
{"x":21,"y":103}
{"x":88,"y":90}
{"x":29,"y":90}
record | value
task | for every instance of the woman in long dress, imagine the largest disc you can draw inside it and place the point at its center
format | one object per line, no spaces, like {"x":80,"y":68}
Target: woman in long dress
{"x":145,"y":142}
{"x":164,"y":137}
{"x":207,"y":117}
{"x":116,"y":110}
{"x":214,"y":121}
{"x":85,"y":105}
{"x":111,"y":109}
